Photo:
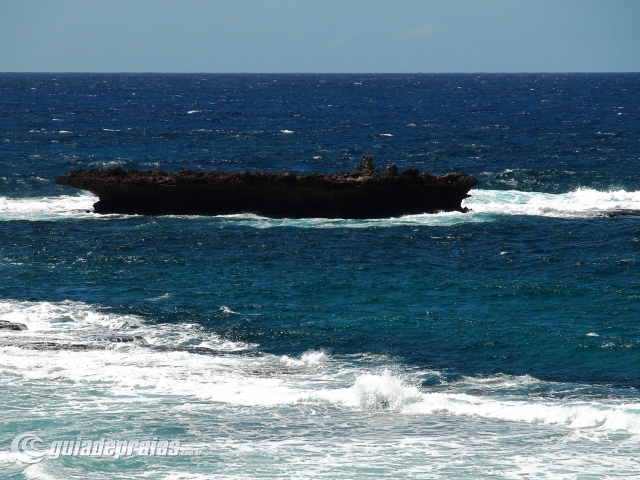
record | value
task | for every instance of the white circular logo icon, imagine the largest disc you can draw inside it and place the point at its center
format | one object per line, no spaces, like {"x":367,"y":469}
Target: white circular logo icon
{"x":24,"y":447}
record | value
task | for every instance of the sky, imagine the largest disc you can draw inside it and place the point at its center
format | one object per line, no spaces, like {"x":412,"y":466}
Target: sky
{"x":278,"y":36}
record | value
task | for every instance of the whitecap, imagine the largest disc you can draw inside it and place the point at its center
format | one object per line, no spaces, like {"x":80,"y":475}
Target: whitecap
{"x":311,"y":358}
{"x":47,"y":208}
{"x":259,"y":221}
{"x":69,"y":321}
{"x":383,"y":391}
{"x":162,"y":297}
{"x":604,"y":417}
{"x":583,"y":202}
{"x":224,"y":309}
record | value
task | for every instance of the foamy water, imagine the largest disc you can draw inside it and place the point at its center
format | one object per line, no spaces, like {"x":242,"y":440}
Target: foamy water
{"x":138,"y":369}
{"x":47,"y":208}
{"x":484,"y":205}
{"x":583,"y":202}
{"x":129,"y":376}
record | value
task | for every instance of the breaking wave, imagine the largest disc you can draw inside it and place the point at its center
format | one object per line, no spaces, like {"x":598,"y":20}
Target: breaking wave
{"x":583,"y":202}
{"x":158,"y":366}
{"x":47,"y":208}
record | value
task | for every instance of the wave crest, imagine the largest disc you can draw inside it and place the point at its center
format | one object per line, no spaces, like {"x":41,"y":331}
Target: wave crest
{"x":583,"y":202}
{"x":47,"y":208}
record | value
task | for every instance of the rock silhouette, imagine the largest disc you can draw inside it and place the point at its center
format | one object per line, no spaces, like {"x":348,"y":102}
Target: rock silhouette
{"x":363,"y":193}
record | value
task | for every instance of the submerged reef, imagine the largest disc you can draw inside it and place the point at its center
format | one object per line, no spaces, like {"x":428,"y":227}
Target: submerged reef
{"x":362,"y":193}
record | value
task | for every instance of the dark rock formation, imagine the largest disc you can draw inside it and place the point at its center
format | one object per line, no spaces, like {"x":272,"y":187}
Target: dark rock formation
{"x":363,"y":193}
{"x":623,"y":213}
{"x":5,"y":325}
{"x":137,"y":339}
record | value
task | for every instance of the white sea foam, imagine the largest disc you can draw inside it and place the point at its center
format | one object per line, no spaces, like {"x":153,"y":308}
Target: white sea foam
{"x":383,"y":391}
{"x":162,"y":297}
{"x":312,"y":358}
{"x":569,"y":413}
{"x":47,"y":208}
{"x":224,"y":309}
{"x":8,"y":459}
{"x":143,"y":372}
{"x":376,"y":391}
{"x":77,"y":321}
{"x":259,"y":221}
{"x":287,"y":132}
{"x":38,"y":472}
{"x":108,"y":163}
{"x":583,"y":202}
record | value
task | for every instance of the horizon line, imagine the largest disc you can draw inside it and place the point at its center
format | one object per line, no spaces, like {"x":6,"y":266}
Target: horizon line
{"x":125,"y":72}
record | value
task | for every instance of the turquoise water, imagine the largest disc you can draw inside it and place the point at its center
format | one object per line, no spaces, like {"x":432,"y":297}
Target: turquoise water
{"x":499,"y":343}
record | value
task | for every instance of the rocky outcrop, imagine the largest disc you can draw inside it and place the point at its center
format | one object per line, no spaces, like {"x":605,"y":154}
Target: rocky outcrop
{"x":363,"y":193}
{"x":5,"y":325}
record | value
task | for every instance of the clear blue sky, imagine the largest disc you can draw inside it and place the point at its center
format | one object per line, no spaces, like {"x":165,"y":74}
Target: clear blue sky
{"x":319,"y":35}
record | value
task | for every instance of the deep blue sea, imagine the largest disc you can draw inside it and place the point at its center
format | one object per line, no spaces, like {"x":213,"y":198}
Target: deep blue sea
{"x":500,"y":343}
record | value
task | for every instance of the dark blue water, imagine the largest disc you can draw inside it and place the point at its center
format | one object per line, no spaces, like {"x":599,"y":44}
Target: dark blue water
{"x":533,"y":297}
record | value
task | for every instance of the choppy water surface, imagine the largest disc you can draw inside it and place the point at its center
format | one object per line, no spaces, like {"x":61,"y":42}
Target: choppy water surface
{"x":500,"y":343}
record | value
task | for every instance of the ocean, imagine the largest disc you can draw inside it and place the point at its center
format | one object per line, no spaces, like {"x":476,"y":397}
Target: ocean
{"x":499,"y":343}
